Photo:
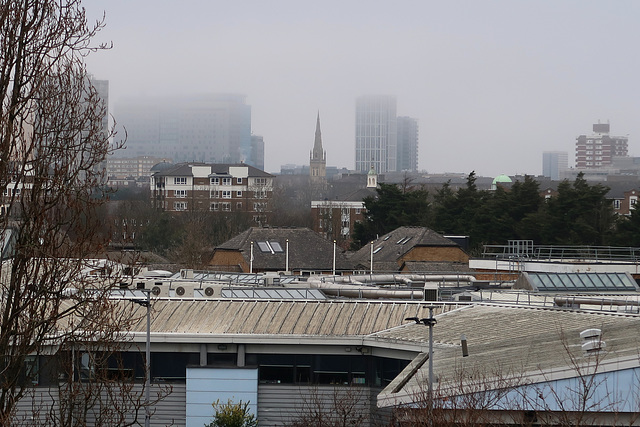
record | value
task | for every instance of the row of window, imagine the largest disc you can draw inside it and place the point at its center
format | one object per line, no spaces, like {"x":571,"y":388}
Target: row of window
{"x":8,"y":191}
{"x":221,"y":206}
{"x":224,"y":194}
{"x":182,"y":180}
{"x":171,"y":367}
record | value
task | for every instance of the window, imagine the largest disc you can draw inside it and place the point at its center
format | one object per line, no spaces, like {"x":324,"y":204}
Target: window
{"x":226,"y":181}
{"x":260,"y":194}
{"x":180,"y":180}
{"x":215,"y":206}
{"x":270,"y":246}
{"x":214,"y":194}
{"x":239,"y":206}
{"x":215,"y":181}
{"x":226,"y":194}
{"x":238,"y":180}
{"x":180,"y":206}
{"x":226,"y":207}
{"x":616,"y":204}
{"x":239,"y":193}
{"x":180,"y":193}
{"x":358,"y":210}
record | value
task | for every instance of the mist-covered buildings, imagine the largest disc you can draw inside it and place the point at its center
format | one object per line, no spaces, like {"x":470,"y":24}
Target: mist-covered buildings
{"x":407,"y":140}
{"x":213,"y":128}
{"x":383,"y":140}
{"x":554,"y":163}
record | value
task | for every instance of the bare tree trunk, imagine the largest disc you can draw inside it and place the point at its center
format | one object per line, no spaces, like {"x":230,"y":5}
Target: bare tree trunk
{"x":52,"y":150}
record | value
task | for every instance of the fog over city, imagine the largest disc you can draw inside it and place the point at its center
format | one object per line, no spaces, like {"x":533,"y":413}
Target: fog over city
{"x":493,"y":84}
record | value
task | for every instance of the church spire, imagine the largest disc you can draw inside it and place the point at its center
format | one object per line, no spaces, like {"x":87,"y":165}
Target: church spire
{"x":318,"y":160}
{"x":318,"y":152}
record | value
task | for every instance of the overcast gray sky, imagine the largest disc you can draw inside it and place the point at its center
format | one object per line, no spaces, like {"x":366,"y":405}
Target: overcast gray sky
{"x":493,"y":84}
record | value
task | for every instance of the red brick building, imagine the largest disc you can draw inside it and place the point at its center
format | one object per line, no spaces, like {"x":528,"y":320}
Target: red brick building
{"x":214,"y":187}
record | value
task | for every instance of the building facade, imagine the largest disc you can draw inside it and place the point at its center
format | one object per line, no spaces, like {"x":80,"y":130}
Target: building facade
{"x":132,"y":167}
{"x":598,"y":149}
{"x":214,"y":187}
{"x":256,"y":159}
{"x":407,"y":139}
{"x":213,"y":128}
{"x":102,"y":88}
{"x":335,"y":219}
{"x":554,"y":163}
{"x":376,"y":133}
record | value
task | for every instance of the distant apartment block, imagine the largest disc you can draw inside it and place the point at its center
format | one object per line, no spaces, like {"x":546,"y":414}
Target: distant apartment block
{"x":335,"y":219}
{"x":132,"y":167}
{"x":407,"y":140}
{"x":213,"y":128}
{"x":554,"y":163}
{"x":598,"y":149}
{"x":236,"y":188}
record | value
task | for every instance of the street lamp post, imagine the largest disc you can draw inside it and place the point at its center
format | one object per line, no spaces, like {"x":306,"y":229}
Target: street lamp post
{"x":430,"y":322}
{"x":147,"y":303}
{"x":334,"y":257}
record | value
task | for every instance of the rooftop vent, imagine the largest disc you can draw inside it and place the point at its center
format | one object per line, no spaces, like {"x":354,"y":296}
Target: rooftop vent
{"x":592,"y":342}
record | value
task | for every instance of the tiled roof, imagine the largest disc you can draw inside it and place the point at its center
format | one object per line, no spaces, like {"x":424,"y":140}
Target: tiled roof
{"x":184,"y":169}
{"x":307,"y":249}
{"x":393,"y":245}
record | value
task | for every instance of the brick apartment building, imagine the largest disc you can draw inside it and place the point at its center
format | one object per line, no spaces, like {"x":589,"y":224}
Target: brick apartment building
{"x":598,"y":149}
{"x":213,"y":187}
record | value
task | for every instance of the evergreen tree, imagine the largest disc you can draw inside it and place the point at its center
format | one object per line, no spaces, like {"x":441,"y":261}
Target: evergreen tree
{"x":389,"y":209}
{"x":579,"y":215}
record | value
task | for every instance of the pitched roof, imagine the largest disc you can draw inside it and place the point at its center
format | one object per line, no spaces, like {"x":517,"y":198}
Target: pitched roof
{"x":307,"y":249}
{"x":184,"y":169}
{"x":393,"y":245}
{"x":277,"y":318}
{"x":525,"y":344}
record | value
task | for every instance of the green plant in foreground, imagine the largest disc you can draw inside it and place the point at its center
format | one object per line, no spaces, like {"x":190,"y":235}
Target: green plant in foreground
{"x":232,"y":414}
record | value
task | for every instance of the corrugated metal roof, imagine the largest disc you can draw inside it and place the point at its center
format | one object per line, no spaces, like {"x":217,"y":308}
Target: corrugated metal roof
{"x":269,"y":317}
{"x":509,"y":341}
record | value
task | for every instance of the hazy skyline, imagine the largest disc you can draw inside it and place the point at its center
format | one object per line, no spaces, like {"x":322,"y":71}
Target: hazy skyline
{"x":493,"y":84}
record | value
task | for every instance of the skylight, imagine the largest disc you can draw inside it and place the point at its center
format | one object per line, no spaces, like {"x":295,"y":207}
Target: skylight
{"x":270,"y":246}
{"x":581,"y":282}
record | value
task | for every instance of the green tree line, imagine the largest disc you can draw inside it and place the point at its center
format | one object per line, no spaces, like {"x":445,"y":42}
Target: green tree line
{"x":579,"y":214}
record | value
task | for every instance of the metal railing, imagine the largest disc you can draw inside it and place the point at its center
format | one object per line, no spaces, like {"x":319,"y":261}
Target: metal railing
{"x":564,"y":253}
